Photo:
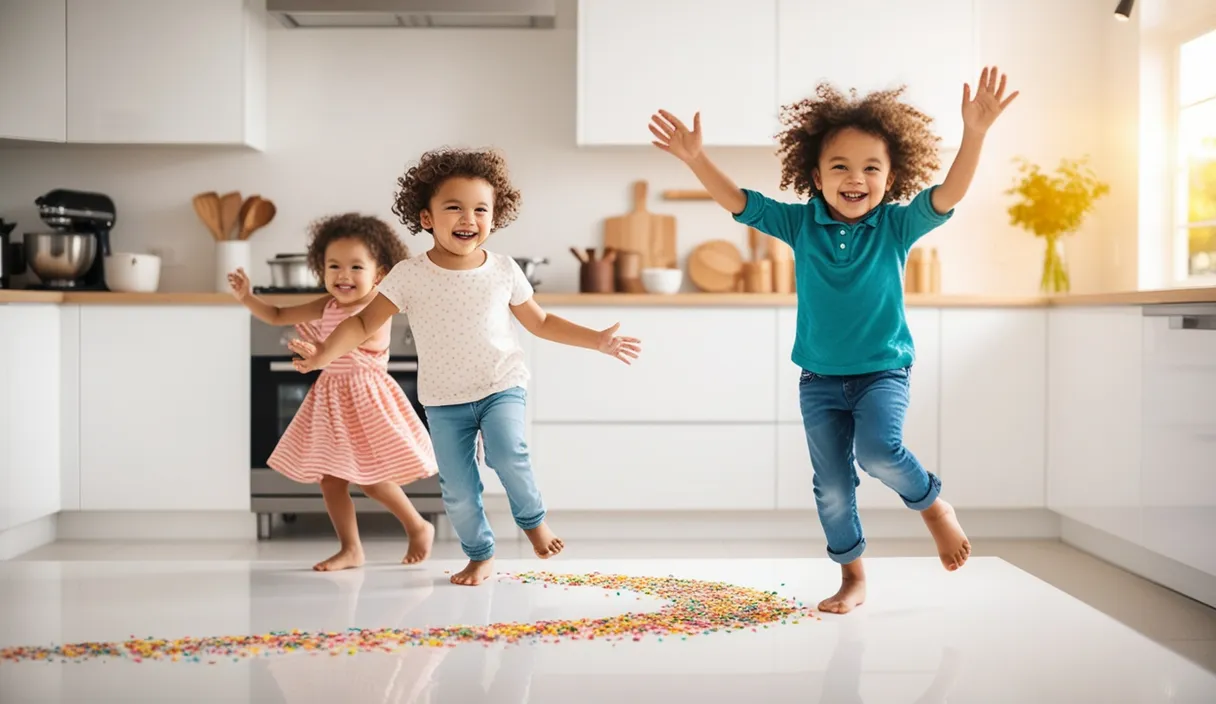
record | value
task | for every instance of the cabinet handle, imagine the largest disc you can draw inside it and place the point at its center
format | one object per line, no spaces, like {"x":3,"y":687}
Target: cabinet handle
{"x":1193,"y":322}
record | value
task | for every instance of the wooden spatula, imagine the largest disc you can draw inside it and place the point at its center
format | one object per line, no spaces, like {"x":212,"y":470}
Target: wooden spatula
{"x":207,"y":206}
{"x":230,"y":210}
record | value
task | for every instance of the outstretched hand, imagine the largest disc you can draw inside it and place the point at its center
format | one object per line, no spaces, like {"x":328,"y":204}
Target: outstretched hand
{"x":238,"y":281}
{"x":980,"y":112}
{"x":309,"y":353}
{"x":623,"y":348}
{"x":674,"y":137}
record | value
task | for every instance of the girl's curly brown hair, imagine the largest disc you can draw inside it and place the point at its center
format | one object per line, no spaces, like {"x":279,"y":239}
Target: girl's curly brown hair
{"x":811,"y":122}
{"x":378,"y":236}
{"x":420,"y":182}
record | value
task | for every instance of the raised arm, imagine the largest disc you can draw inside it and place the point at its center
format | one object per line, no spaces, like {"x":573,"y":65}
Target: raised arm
{"x":676,"y":139}
{"x":349,"y":334}
{"x":274,"y":315}
{"x":978,"y":116}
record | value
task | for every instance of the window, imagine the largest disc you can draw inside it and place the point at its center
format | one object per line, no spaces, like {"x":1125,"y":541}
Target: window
{"x":1195,"y":189}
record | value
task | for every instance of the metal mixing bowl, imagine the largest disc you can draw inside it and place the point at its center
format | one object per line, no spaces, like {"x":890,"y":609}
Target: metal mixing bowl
{"x":60,"y":258}
{"x":291,"y":271}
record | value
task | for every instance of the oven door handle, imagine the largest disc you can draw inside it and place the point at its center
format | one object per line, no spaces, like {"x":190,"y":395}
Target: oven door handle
{"x":392,"y":367}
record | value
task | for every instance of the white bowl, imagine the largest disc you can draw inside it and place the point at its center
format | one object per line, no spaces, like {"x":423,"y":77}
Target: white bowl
{"x":656,"y":280}
{"x":127,"y":272}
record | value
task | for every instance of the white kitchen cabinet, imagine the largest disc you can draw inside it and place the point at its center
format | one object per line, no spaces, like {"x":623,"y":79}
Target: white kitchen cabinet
{"x":6,"y":433}
{"x":164,"y":408}
{"x":1094,"y":418}
{"x":697,"y":365}
{"x":920,"y":424}
{"x":1178,"y":422}
{"x":993,"y":396}
{"x":166,"y":72}
{"x":29,"y":441}
{"x":33,"y":57}
{"x":718,"y":57}
{"x":928,"y":45}
{"x":675,"y":467}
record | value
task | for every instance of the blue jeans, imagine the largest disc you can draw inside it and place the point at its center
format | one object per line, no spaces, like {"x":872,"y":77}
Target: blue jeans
{"x":859,"y":418}
{"x":500,"y":418}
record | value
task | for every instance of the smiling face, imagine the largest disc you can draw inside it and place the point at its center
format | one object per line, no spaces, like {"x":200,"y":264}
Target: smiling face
{"x":460,"y":216}
{"x":854,"y":174}
{"x":350,"y":270}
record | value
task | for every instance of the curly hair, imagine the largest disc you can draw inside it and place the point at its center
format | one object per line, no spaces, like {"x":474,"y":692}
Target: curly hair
{"x":810,"y":123}
{"x":420,"y":182}
{"x":378,"y":236}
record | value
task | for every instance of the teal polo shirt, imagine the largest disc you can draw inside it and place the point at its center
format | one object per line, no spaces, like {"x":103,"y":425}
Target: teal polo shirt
{"x":849,"y":279}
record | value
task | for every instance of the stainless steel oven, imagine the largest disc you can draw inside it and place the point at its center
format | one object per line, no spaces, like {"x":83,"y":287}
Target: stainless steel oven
{"x":276,"y":392}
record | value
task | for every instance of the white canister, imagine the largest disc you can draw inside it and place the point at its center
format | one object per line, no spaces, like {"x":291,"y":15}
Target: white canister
{"x":230,"y":255}
{"x":127,"y":272}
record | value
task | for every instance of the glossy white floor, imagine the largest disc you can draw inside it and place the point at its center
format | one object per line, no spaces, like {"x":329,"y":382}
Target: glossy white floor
{"x":990,"y":633}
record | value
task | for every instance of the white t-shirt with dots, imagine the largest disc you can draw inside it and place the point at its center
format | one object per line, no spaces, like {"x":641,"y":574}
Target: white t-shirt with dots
{"x":463,"y":326}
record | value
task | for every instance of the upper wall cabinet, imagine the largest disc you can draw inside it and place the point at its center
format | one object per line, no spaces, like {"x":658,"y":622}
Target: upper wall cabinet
{"x":928,"y":45}
{"x":166,"y":72}
{"x":33,"y":51}
{"x":718,"y":57}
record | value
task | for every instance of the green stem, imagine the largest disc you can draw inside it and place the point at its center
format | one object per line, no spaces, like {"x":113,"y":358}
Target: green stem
{"x":1055,"y":272}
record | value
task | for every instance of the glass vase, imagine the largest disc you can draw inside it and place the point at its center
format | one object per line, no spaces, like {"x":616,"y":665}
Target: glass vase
{"x":1055,"y":269}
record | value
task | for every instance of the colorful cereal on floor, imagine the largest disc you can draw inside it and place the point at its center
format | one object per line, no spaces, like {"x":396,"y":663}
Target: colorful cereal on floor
{"x":694,"y":608}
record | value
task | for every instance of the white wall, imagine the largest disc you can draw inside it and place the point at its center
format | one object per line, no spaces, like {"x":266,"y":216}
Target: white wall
{"x":349,"y":108}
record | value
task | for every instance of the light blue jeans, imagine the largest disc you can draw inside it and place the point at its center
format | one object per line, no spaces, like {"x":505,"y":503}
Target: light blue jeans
{"x":500,"y":418}
{"x":859,"y":419}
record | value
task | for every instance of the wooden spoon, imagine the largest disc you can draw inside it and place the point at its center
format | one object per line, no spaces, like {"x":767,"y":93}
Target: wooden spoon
{"x":260,"y":214}
{"x":230,"y":208}
{"x":207,"y":206}
{"x":240,"y":218}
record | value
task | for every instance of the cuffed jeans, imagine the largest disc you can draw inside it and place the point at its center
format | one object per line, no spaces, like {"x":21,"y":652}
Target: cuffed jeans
{"x":859,"y":419}
{"x":500,"y":418}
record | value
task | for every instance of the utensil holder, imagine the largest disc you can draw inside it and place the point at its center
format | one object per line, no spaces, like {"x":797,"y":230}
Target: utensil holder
{"x":596,"y":277}
{"x":783,"y":276}
{"x":230,"y":255}
{"x":629,"y":272}
{"x":758,"y":276}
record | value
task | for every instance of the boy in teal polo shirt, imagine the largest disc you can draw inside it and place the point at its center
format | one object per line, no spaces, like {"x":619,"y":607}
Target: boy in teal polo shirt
{"x":856,"y":160}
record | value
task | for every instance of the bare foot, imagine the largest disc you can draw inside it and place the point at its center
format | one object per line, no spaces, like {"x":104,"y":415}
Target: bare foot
{"x":952,"y":544}
{"x":344,"y":560}
{"x":544,"y":543}
{"x":475,"y":573}
{"x":852,"y":590}
{"x":420,"y":544}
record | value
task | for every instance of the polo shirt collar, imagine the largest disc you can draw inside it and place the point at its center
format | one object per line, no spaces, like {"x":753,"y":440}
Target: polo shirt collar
{"x":823,"y":217}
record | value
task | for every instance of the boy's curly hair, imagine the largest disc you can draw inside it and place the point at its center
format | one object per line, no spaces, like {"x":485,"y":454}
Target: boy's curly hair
{"x":378,"y":236}
{"x":420,"y":182}
{"x":811,"y":122}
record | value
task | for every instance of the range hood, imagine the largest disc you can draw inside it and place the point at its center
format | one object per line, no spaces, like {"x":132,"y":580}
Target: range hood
{"x":457,"y":14}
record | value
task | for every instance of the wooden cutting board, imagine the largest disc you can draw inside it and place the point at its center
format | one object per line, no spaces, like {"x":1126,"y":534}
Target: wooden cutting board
{"x":649,"y":234}
{"x":716,"y":266}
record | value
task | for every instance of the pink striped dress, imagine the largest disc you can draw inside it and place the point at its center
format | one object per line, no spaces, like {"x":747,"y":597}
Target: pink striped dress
{"x":355,"y":423}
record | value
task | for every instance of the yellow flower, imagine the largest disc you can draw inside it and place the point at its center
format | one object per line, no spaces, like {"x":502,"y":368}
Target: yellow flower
{"x":1051,"y":205}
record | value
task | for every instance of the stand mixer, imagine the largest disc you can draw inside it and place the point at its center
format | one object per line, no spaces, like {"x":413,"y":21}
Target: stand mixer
{"x":73,"y":256}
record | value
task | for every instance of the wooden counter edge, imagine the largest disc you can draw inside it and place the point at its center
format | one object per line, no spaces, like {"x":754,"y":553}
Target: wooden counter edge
{"x":690,"y":299}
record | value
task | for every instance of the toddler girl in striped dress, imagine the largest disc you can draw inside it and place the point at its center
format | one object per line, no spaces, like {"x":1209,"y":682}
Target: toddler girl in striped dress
{"x":355,"y":425}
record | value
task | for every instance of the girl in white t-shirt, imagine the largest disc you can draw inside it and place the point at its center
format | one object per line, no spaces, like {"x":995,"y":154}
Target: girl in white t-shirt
{"x":460,"y":299}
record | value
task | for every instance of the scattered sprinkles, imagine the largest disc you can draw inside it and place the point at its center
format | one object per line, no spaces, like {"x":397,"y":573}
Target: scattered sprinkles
{"x":694,"y":608}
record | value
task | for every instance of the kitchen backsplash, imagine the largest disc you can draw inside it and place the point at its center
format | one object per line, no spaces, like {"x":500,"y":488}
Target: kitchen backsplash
{"x":349,"y":108}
